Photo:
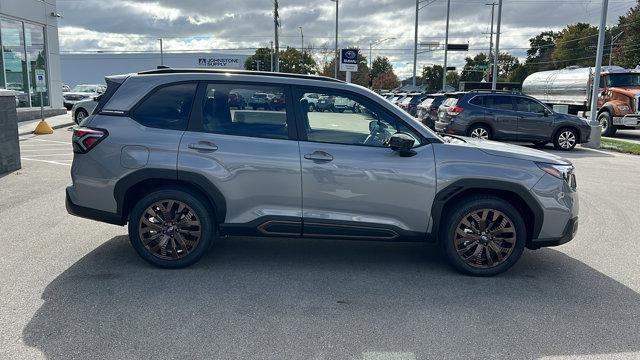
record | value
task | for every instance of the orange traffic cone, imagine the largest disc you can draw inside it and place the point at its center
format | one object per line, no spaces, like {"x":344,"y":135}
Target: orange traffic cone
{"x":43,"y":128}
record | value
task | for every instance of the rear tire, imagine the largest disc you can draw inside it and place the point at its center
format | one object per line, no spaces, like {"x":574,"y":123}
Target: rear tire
{"x":171,"y":228}
{"x":565,"y":139}
{"x":608,"y":129}
{"x":472,"y":253}
{"x":479,"y":131}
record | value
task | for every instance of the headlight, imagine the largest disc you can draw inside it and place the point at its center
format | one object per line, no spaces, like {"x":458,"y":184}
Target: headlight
{"x":623,"y":108}
{"x":564,"y":172}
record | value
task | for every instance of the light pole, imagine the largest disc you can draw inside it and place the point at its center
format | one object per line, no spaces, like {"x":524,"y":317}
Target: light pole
{"x":161,"y":53}
{"x":415,"y":43}
{"x":336,"y":44}
{"x":301,"y":49}
{"x":446,"y":46}
{"x":493,"y":7}
{"x":258,"y":65}
{"x":271,"y":56}
{"x":594,"y":141}
{"x":496,"y":55}
{"x":613,"y":39}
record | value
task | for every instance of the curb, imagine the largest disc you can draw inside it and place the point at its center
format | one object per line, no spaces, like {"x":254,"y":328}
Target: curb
{"x":53,"y":127}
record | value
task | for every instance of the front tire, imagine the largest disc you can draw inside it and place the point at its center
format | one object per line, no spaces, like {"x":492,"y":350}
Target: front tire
{"x":171,"y":228}
{"x":81,"y":114}
{"x":565,"y":139}
{"x":608,"y":129}
{"x":483,"y":236}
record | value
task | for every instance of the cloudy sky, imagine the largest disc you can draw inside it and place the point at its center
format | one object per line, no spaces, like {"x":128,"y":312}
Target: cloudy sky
{"x":240,"y":26}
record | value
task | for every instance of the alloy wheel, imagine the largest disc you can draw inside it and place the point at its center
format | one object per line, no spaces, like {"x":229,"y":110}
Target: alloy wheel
{"x":80,"y":116}
{"x":480,"y":133}
{"x":566,"y":139}
{"x":604,"y":122}
{"x":170,"y":229}
{"x":485,"y":238}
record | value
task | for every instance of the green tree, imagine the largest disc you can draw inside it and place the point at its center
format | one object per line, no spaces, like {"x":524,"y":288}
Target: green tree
{"x":380,"y":65}
{"x":540,"y":51}
{"x":475,"y":67}
{"x":626,"y":52}
{"x":360,"y":77}
{"x":507,"y":65}
{"x":432,"y":77}
{"x":290,"y":61}
{"x":263,"y":55}
{"x":575,"y":45}
{"x":453,"y":79}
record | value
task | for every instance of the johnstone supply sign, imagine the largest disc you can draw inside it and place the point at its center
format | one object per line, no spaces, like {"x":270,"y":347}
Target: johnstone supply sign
{"x":227,"y":62}
{"x":349,"y":60}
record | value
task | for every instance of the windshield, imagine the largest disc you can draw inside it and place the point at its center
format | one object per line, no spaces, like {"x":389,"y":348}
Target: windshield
{"x":623,"y":80}
{"x":84,"y":88}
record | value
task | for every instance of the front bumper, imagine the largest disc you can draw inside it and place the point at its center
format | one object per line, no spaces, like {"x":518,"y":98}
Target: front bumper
{"x":569,"y":233}
{"x":629,"y":120}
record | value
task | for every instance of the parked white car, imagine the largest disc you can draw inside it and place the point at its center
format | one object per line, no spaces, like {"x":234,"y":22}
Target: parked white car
{"x":82,"y":109}
{"x":82,"y":92}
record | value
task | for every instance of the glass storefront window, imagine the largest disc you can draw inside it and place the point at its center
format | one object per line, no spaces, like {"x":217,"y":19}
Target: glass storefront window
{"x":23,"y":51}
{"x":15,"y":65}
{"x":36,"y":59}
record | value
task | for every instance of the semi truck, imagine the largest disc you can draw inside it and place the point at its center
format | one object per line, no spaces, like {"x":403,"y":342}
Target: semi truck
{"x":618,"y":93}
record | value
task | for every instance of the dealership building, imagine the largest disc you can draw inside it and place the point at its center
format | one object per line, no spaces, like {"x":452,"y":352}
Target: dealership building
{"x":91,"y":68}
{"x":29,"y":43}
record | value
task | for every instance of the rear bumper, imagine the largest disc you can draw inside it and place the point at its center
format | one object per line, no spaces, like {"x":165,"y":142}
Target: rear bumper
{"x":93,"y":214}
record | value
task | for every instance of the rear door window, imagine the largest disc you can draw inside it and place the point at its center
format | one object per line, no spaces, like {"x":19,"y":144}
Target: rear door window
{"x":245,"y":110}
{"x":167,"y":107}
{"x":499,"y":102}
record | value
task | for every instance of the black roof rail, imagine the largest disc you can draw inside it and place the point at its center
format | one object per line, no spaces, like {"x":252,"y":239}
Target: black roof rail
{"x":168,"y":70}
{"x":496,"y":91}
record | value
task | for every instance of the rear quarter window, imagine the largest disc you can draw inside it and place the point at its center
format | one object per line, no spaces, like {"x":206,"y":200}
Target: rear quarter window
{"x":452,"y":101}
{"x":167,"y":107}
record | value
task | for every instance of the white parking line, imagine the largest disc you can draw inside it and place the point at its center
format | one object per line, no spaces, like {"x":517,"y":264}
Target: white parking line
{"x":52,"y":141}
{"x":37,"y":145}
{"x":46,"y":161}
{"x":44,"y":149}
{"x":39,"y":155}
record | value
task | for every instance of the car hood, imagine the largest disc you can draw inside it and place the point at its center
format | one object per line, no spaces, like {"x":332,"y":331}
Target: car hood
{"x":513,"y":151}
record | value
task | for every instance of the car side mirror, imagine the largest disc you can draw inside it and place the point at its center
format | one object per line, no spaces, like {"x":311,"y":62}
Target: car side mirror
{"x":402,"y":143}
{"x":97,"y":98}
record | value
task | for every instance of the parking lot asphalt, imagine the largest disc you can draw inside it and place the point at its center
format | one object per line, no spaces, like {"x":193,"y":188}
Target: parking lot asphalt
{"x":74,"y":289}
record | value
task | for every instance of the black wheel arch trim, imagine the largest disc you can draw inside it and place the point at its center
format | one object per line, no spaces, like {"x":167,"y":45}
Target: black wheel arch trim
{"x":189,"y":178}
{"x":459,"y":186}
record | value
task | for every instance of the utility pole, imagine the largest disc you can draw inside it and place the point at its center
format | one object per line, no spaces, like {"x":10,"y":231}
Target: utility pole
{"x":594,"y":141}
{"x":493,"y":7}
{"x":613,"y":39}
{"x":496,"y":55}
{"x":276,"y":23}
{"x":337,"y":54}
{"x":161,"y":53}
{"x":415,"y":43}
{"x":446,"y":46}
{"x":258,"y":65}
{"x":271,"y":56}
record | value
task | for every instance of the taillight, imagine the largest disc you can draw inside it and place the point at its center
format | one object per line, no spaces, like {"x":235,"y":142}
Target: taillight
{"x":454,"y":110}
{"x":434,"y":108}
{"x":85,"y":139}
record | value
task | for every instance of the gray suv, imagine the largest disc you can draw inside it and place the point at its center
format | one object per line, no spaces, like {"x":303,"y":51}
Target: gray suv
{"x":168,"y":153}
{"x":511,"y":116}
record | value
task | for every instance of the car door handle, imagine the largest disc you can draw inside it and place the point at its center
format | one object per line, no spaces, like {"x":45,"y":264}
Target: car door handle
{"x":319,"y":156}
{"x":203,"y":146}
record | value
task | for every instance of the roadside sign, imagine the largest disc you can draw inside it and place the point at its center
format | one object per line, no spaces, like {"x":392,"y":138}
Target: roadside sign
{"x":349,"y":60}
{"x":451,"y":68}
{"x":41,"y":81}
{"x":458,"y":47}
{"x":482,"y":66}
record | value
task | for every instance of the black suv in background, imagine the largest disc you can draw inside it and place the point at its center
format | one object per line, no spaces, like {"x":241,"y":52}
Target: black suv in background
{"x":428,"y":109}
{"x":511,"y":116}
